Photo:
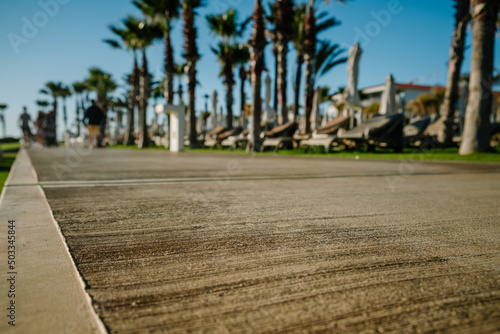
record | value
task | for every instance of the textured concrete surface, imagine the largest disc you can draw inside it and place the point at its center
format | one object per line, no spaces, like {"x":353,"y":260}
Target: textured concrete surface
{"x":47,"y":292}
{"x":235,"y":243}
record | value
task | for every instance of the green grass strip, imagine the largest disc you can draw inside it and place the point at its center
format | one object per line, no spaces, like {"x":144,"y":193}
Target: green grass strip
{"x":9,"y":155}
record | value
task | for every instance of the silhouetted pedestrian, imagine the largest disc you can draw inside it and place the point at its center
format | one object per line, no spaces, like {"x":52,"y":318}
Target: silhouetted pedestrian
{"x":24,"y":124}
{"x":93,"y":119}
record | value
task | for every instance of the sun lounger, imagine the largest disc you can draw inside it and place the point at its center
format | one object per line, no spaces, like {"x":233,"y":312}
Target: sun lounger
{"x":434,"y":128}
{"x":211,"y":136}
{"x":384,"y":131}
{"x":415,"y":132}
{"x":326,"y":135}
{"x":227,"y":134}
{"x":235,"y":141}
{"x":279,"y":137}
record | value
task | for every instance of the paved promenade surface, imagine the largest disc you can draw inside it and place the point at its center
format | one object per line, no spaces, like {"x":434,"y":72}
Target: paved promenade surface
{"x":229,"y":243}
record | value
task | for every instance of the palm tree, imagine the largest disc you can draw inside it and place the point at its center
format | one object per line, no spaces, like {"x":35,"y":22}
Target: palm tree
{"x":102,"y":84}
{"x":192,"y":56}
{"x":42,"y":104}
{"x":327,"y":57}
{"x":128,"y":41}
{"x":162,"y":13}
{"x":148,"y":35}
{"x":298,"y":43}
{"x":2,"y":117}
{"x":284,"y":31}
{"x":229,"y":56}
{"x":78,"y":89}
{"x":257,"y":45}
{"x":462,"y":17}
{"x":476,"y":135}
{"x":272,"y":34}
{"x":144,"y":35}
{"x":65,"y":92}
{"x":226,"y":26}
{"x":54,"y":89}
{"x":310,"y":39}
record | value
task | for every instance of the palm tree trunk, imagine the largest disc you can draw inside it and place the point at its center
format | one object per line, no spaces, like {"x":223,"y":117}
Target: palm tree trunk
{"x":276,"y":88}
{"x":258,"y":43}
{"x":191,"y":55}
{"x":298,"y":80}
{"x":143,"y":102}
{"x":282,"y":82}
{"x":256,"y":110}
{"x":243,"y":77}
{"x":65,"y":115}
{"x":229,"y":102}
{"x":309,"y":57}
{"x":77,"y":115}
{"x":309,"y":92}
{"x":462,"y":17}
{"x":169,"y":69}
{"x":476,"y":136}
{"x":284,"y":13}
{"x":229,"y":83}
{"x":128,"y":138}
{"x":193,"y":141}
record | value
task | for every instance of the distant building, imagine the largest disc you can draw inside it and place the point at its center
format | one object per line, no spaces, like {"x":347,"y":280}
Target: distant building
{"x":404,"y":93}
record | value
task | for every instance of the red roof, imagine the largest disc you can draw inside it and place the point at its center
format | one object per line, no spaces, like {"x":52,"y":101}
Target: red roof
{"x":412,"y":86}
{"x":407,"y":86}
{"x":418,"y":87}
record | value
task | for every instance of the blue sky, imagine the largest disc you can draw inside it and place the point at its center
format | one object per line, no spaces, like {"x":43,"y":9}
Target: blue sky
{"x":408,"y":38}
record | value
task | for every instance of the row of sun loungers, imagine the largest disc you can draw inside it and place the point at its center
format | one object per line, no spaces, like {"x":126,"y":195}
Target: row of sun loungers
{"x":388,"y":131}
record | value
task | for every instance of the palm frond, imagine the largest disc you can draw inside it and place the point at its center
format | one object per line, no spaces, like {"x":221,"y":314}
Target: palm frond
{"x":113,"y":43}
{"x":327,"y":57}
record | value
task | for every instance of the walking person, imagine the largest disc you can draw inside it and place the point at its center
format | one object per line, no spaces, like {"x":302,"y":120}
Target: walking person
{"x":24,"y":124}
{"x":93,"y":118}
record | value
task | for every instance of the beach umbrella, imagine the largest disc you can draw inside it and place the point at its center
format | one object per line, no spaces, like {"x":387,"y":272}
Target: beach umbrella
{"x":269,"y":113}
{"x":315,"y":115}
{"x":324,"y":119}
{"x":212,"y":119}
{"x":351,"y":94}
{"x":221,"y":120}
{"x":388,"y":102}
{"x":333,"y":111}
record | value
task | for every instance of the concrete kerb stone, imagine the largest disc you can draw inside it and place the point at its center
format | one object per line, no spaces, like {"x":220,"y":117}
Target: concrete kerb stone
{"x":49,"y":294}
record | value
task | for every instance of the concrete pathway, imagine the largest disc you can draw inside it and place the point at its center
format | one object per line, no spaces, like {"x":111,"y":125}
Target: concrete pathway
{"x":45,"y":288}
{"x":225,"y":243}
